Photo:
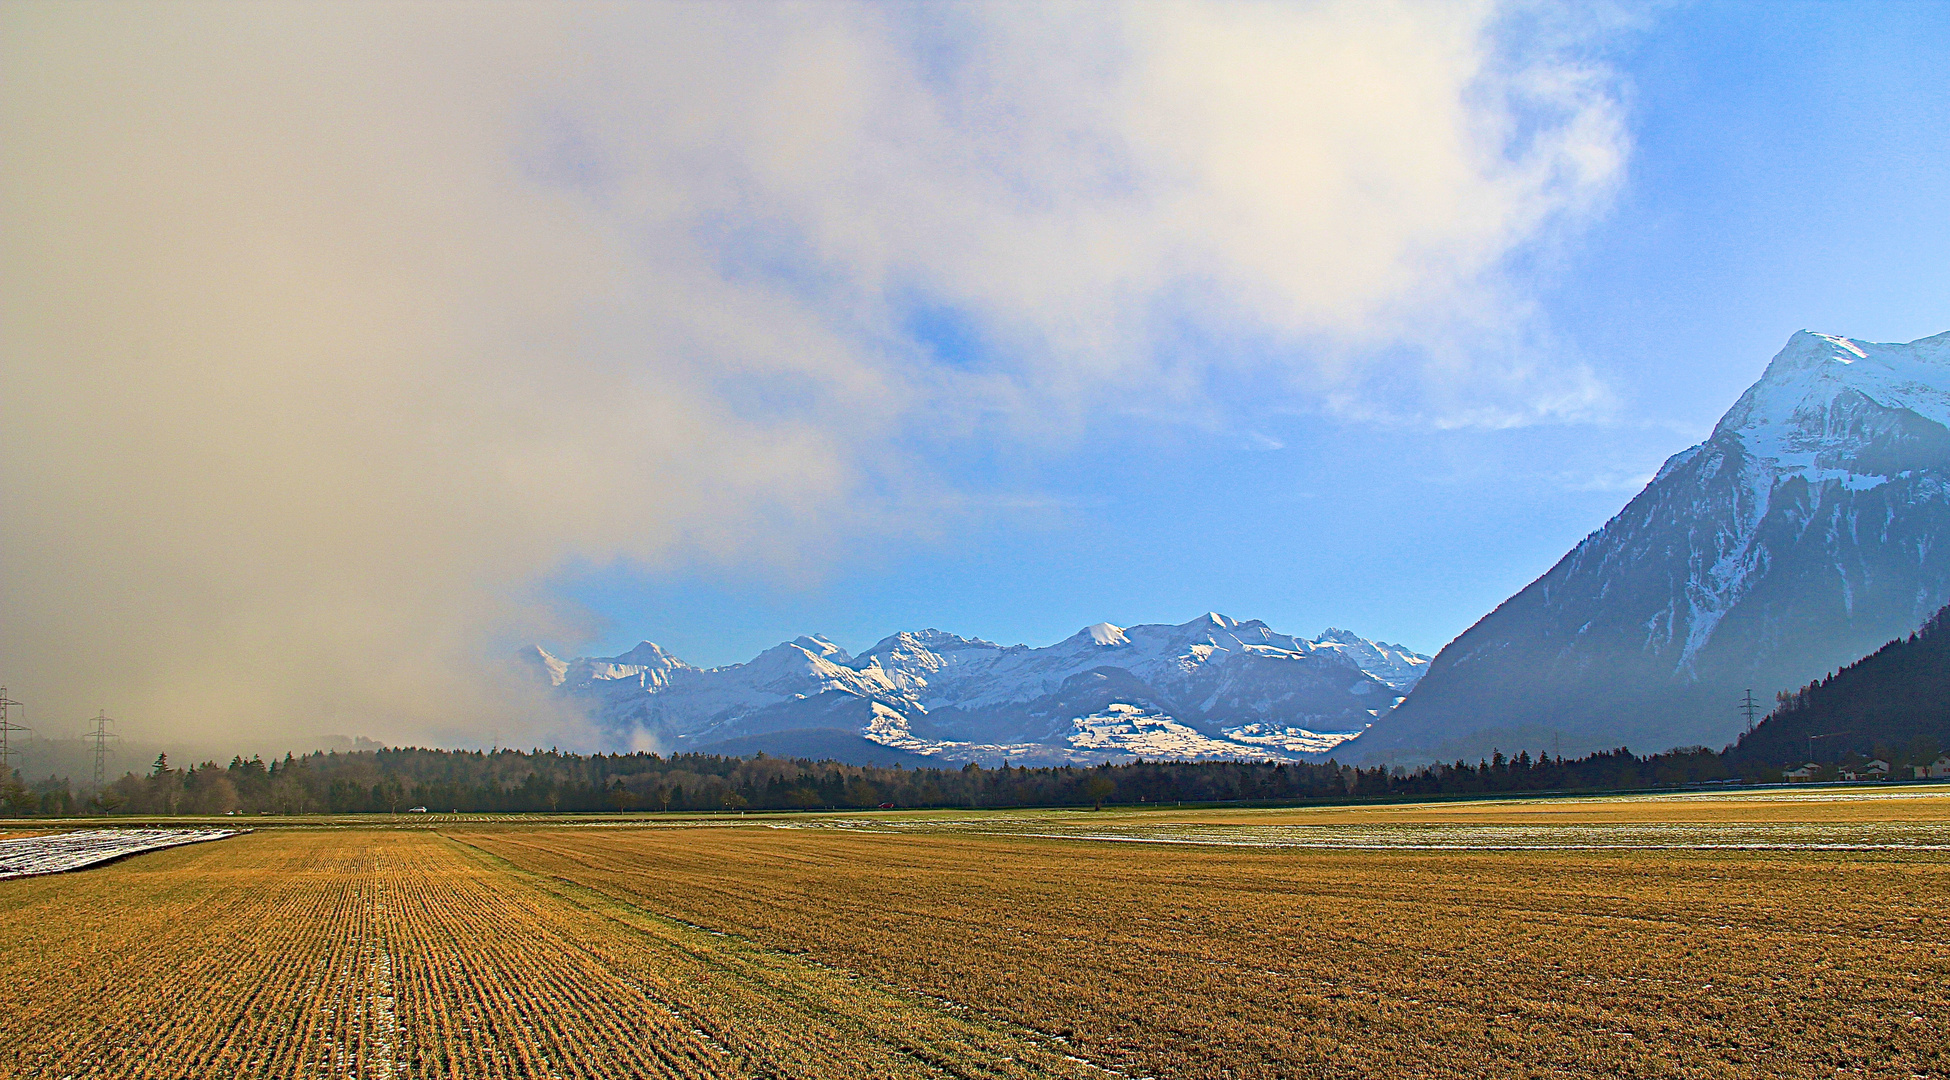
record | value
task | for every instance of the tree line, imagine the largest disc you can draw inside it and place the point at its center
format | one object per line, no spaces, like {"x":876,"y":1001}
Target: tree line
{"x":536,"y":781}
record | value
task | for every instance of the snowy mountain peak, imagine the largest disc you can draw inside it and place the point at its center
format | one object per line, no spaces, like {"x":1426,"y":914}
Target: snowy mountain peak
{"x":648,"y":654}
{"x":818,"y":645}
{"x":797,"y":653}
{"x":1807,"y":351}
{"x":646,"y":666}
{"x":1395,"y":665}
{"x":1895,"y":366}
{"x":929,"y":640}
{"x":1106,"y":635}
{"x":1804,"y":532}
{"x":553,"y":670}
{"x":1154,"y":689}
{"x":1821,"y":394}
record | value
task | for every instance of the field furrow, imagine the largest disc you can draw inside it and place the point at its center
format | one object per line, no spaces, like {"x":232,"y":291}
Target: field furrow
{"x":1223,"y":962}
{"x":783,"y":1016}
{"x":400,"y":954}
{"x":662,"y":950}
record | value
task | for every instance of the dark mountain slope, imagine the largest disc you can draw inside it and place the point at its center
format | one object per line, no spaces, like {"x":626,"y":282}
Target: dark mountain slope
{"x":1894,"y":704}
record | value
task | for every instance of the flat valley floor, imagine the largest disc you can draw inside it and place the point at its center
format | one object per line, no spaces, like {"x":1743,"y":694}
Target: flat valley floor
{"x":1728,"y":935}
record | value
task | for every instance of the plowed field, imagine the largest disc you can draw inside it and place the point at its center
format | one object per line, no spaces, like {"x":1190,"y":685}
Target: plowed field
{"x":1170,"y":960}
{"x":1001,"y":947}
{"x":400,"y":954}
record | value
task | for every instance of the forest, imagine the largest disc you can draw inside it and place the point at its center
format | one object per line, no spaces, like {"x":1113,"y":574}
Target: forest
{"x":550,"y":781}
{"x":1893,"y":704}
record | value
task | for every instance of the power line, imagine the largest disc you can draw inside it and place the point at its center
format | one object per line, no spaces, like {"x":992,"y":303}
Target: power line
{"x":101,"y":737}
{"x":7,"y":727}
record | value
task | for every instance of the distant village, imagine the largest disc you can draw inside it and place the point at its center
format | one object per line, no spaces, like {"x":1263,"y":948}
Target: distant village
{"x":1873,"y":769}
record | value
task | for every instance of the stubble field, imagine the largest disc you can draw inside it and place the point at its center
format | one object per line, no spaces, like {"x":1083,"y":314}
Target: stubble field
{"x":1007,"y":945}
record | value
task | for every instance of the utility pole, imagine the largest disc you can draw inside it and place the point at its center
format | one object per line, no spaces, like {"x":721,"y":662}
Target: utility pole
{"x":1830,"y":735}
{"x":101,"y":737}
{"x":1750,"y":707}
{"x":7,"y":728}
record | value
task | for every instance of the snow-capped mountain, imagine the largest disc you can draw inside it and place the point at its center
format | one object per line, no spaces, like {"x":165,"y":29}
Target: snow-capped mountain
{"x":1211,"y":688}
{"x":1802,"y":534}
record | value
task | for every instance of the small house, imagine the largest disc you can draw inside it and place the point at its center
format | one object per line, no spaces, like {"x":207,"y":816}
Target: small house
{"x":1802,"y":775}
{"x":1868,"y":770}
{"x":1935,"y":770}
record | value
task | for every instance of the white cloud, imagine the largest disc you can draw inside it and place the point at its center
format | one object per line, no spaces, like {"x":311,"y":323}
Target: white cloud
{"x":328,"y":330}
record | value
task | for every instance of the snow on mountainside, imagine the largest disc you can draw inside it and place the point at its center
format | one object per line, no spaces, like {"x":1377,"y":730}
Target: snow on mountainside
{"x":1210,"y":688}
{"x":1802,"y":534}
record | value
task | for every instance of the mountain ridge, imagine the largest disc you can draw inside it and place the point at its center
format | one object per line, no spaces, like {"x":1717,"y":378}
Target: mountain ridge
{"x":1211,"y":687}
{"x":1798,"y":537}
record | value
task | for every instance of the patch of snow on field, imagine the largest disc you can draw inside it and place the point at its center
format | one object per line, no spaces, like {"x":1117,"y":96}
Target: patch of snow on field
{"x":57,"y":852}
{"x":1644,"y":836}
{"x":379,"y":1007}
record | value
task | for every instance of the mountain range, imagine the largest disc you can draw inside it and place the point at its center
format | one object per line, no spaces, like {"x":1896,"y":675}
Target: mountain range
{"x":1209,"y":688}
{"x":1805,"y":532}
{"x":1802,"y":534}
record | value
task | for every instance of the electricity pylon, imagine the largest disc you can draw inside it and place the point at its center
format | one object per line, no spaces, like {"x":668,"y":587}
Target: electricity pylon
{"x":7,"y":728}
{"x":1750,"y":707}
{"x":101,"y":737}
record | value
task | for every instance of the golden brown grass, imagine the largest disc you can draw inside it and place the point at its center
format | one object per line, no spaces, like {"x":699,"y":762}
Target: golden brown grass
{"x":1214,"y":962}
{"x":747,"y":949}
{"x":1784,"y":806}
{"x":400,"y":954}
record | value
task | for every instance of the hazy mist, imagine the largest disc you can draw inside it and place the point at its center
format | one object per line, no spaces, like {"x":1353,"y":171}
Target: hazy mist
{"x":330,"y":332}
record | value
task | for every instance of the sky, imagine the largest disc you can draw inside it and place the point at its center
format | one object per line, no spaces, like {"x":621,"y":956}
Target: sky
{"x":1786,"y":169}
{"x":344,"y":350}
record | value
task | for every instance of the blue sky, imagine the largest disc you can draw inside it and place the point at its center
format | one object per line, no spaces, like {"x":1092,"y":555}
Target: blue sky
{"x":1789,"y":168}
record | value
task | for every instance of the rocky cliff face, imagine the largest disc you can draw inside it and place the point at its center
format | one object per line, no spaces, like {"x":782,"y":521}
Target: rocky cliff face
{"x":1805,"y":532}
